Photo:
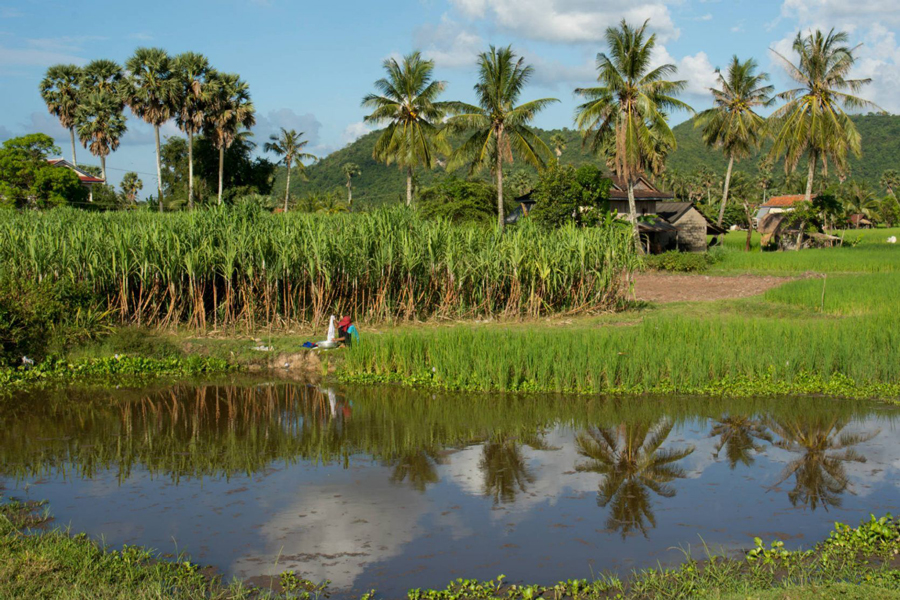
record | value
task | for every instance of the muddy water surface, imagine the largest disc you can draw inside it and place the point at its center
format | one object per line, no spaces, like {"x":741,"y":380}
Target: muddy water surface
{"x":391,"y":488}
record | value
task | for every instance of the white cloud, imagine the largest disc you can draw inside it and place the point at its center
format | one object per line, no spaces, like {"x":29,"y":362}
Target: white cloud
{"x":843,"y":14}
{"x":353,"y":132}
{"x":568,"y":20}
{"x":449,"y":44}
{"x":696,"y":69}
{"x":271,"y":122}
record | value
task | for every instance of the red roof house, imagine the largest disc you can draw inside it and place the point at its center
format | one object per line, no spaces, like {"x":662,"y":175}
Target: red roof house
{"x":87,"y":180}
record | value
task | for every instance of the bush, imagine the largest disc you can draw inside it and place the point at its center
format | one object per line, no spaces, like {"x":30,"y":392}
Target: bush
{"x":680,"y":262}
{"x":563,"y":193}
{"x":459,"y":200}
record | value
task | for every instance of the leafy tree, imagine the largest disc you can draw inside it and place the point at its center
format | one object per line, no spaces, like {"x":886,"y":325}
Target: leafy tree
{"x":60,"y":90}
{"x":889,"y":211}
{"x":458,"y":200}
{"x":732,"y":124}
{"x":350,"y":171}
{"x":627,"y":113}
{"x":890,"y":180}
{"x":99,"y":121}
{"x":289,"y":145}
{"x":228,"y":112}
{"x":497,"y":128}
{"x":564,"y":194}
{"x":131,"y":185}
{"x":27,"y":179}
{"x":813,"y":121}
{"x":407,"y":101}
{"x":151,"y":92}
{"x":558,"y":141}
{"x":191,"y":74}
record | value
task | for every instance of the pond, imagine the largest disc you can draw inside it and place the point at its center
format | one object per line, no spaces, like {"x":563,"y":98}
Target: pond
{"x":394,"y":488}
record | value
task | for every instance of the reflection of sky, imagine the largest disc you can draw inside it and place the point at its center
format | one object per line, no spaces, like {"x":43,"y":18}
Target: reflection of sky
{"x":356,"y":528}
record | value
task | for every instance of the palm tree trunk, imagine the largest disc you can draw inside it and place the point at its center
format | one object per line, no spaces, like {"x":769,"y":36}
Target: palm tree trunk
{"x":408,"y":186}
{"x":810,"y":175}
{"x":349,"y":193}
{"x":191,"y":170}
{"x":632,"y":216}
{"x":725,"y":191}
{"x":501,"y":220}
{"x":103,"y":167}
{"x":158,"y":169}
{"x":287,"y":186}
{"x":72,"y":137}
{"x":221,"y":170}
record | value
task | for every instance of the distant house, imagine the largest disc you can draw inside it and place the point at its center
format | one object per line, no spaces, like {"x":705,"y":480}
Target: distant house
{"x":87,"y":180}
{"x":860,"y":221}
{"x":779,"y":204}
{"x":646,"y":196}
{"x":691,"y":226}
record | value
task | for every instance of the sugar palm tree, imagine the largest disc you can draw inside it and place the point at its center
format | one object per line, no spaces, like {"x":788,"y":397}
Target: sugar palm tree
{"x":100,"y":124}
{"x":558,"y":141}
{"x":350,"y":170}
{"x":627,"y":112}
{"x":813,"y":123}
{"x":733,"y":125}
{"x":131,"y":185}
{"x":407,"y":101}
{"x":633,"y":464}
{"x":102,"y":75}
{"x":889,"y":181}
{"x":60,"y":90}
{"x":192,"y":93}
{"x":498,"y":129}
{"x":228,"y":111}
{"x":289,"y":145}
{"x":151,"y":92}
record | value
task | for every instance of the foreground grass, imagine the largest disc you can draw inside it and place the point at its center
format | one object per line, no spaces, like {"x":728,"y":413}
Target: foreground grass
{"x":53,"y":563}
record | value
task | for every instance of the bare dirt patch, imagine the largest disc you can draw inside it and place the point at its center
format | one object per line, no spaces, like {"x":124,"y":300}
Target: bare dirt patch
{"x":659,"y":287}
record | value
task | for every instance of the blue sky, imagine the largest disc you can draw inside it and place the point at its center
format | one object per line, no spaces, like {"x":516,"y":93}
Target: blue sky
{"x":309,"y":63}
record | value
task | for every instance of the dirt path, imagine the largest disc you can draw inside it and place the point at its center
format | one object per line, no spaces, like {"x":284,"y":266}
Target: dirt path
{"x":657,"y":287}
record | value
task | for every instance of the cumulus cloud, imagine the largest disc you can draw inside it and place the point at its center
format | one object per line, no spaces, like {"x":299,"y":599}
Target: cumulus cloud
{"x":568,"y":20}
{"x":353,"y":132}
{"x":271,"y":122}
{"x":449,"y":44}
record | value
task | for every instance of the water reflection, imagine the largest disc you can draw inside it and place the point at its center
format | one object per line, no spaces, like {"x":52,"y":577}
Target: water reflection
{"x":633,"y":465}
{"x":393,"y":488}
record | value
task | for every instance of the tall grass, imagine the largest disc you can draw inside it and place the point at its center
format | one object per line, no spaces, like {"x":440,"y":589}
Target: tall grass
{"x":842,"y":294}
{"x":243,"y":267}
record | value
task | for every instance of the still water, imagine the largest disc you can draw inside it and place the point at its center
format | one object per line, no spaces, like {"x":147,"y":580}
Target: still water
{"x":393,"y":488}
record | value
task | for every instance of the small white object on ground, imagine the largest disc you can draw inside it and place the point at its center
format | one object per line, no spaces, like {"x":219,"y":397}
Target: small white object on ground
{"x":262,"y":348}
{"x":892,"y":239}
{"x":28,"y":362}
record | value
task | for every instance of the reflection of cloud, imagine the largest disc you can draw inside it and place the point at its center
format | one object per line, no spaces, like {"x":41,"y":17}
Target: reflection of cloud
{"x":334,"y":531}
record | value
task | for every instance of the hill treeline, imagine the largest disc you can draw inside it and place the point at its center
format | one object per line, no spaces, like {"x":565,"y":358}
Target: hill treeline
{"x":379,"y":184}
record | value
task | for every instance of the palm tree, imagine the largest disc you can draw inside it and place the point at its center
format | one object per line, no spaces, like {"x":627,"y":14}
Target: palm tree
{"x":228,"y":111}
{"x":707,"y":179}
{"x":498,"y":128}
{"x":889,"y":181}
{"x":102,"y":76}
{"x":504,"y":468}
{"x":819,"y":473}
{"x":407,"y":101}
{"x":100,"y":124}
{"x":350,"y":171}
{"x":558,"y":141}
{"x":813,"y":122}
{"x":419,"y":467}
{"x":632,"y":464}
{"x":131,"y":185}
{"x":151,"y":94}
{"x":60,"y":90}
{"x":732,"y":124}
{"x":289,"y":145}
{"x":737,"y":436}
{"x":191,"y":71}
{"x":860,"y":200}
{"x":627,"y":112}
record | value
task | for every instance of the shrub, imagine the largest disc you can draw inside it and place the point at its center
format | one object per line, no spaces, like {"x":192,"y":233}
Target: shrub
{"x":459,"y":200}
{"x":680,"y":262}
{"x":563,"y":193}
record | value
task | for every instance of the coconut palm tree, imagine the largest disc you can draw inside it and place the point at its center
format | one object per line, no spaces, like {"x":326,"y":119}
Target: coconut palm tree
{"x":813,"y":123}
{"x":861,"y":200}
{"x":632,"y":464}
{"x":350,"y":170}
{"x":819,"y":472}
{"x":504,"y":468}
{"x":60,"y":90}
{"x":498,"y":129}
{"x":100,"y":124}
{"x":131,"y":185}
{"x":889,"y":181}
{"x":406,"y":100}
{"x":289,"y":145}
{"x":558,"y":141}
{"x":191,"y":71}
{"x":626,"y":114}
{"x":228,"y":111}
{"x":737,"y":436}
{"x":151,"y":92}
{"x":733,"y":124}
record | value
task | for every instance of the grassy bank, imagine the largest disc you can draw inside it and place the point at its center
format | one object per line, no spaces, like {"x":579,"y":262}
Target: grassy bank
{"x":857,"y":562}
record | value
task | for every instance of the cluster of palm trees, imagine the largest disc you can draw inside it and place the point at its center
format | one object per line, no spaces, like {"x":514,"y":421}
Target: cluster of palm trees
{"x":625,"y":117}
{"x":90,"y":102}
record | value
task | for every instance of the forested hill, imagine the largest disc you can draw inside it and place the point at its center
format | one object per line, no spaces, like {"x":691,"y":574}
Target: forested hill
{"x":379,"y":183}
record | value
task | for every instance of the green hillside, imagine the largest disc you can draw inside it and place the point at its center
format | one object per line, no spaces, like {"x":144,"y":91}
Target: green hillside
{"x":379,"y":183}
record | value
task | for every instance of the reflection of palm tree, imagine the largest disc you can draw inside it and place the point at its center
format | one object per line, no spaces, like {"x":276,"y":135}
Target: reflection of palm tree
{"x":633,"y":465}
{"x":505,"y":471}
{"x":418,"y":466}
{"x":738,"y":435}
{"x":819,"y":473}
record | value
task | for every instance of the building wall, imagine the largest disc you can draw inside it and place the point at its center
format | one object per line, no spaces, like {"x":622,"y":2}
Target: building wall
{"x":691,"y":234}
{"x":644,"y":207}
